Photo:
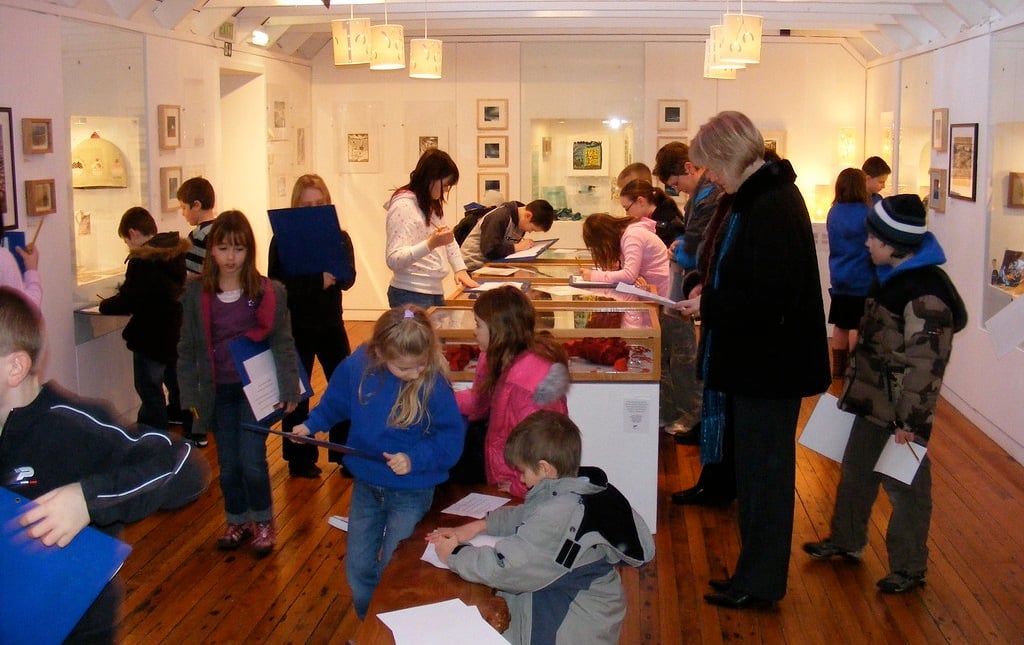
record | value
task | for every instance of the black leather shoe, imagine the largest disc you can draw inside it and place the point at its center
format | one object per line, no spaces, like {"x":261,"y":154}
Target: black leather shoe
{"x":688,"y":438}
{"x":720,"y":584}
{"x":735,"y":599}
{"x":700,"y":496}
{"x":306,"y":470}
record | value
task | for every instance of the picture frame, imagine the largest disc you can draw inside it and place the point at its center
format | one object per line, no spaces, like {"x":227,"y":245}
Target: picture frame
{"x":664,"y":141}
{"x":963,"y":161}
{"x":428,"y":141}
{"x":937,"y":187}
{"x":588,"y":156}
{"x":488,"y":181}
{"x":1015,"y":190}
{"x":40,"y":196}
{"x":170,"y":181}
{"x":168,"y":118}
{"x":775,"y":140}
{"x":940,"y":129}
{"x":492,"y":152}
{"x":8,"y":195}
{"x":492,"y":114}
{"x":673,"y":114}
{"x":36,"y":136}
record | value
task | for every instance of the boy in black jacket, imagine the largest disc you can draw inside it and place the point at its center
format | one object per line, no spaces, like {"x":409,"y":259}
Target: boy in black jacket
{"x":79,"y":467}
{"x":152,"y":286}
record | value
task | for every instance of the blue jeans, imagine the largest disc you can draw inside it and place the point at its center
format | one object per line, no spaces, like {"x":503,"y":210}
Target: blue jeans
{"x":398,"y":297}
{"x":379,"y":518}
{"x":242,"y":455}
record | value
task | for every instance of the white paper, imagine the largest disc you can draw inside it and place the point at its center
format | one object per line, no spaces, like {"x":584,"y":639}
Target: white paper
{"x":633,"y":290}
{"x":338,"y":522}
{"x":441,"y":623}
{"x":430,"y":553}
{"x":494,"y":284}
{"x":900,"y":460}
{"x":476,"y":505}
{"x":503,"y":271}
{"x":828,"y":429}
{"x":262,"y":391}
{"x":580,"y":282}
{"x":1006,"y":328}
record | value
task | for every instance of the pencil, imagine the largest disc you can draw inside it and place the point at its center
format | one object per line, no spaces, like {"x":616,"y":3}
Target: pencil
{"x":910,"y":444}
{"x":35,"y":236}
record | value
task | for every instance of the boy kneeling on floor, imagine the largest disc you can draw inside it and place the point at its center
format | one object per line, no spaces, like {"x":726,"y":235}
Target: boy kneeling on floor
{"x":555,"y":565}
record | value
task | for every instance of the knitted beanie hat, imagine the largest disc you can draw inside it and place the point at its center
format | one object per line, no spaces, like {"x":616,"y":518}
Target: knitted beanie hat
{"x":898,"y":220}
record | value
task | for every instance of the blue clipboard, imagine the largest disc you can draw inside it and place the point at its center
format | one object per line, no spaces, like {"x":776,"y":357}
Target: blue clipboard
{"x":44,"y":591}
{"x":13,"y":240}
{"x":308,"y":240}
{"x":242,"y":349}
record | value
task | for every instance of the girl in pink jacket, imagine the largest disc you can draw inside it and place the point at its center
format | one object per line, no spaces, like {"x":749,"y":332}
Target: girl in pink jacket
{"x":519,"y":372}
{"x":625,"y":249}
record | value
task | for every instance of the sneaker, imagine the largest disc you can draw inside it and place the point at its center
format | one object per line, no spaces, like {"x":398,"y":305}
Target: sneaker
{"x":901,"y":582}
{"x":263,"y":541}
{"x":828,"y":549}
{"x":196,"y":439}
{"x":234,"y":537}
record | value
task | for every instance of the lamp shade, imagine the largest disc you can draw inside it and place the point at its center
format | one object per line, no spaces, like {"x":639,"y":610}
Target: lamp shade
{"x":710,"y":72}
{"x":351,"y":41}
{"x":387,"y":46}
{"x":741,"y":38}
{"x":718,"y":45}
{"x":424,"y":58}
{"x":98,"y":163}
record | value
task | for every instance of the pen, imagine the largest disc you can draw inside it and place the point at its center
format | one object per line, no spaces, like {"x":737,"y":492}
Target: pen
{"x":910,"y":444}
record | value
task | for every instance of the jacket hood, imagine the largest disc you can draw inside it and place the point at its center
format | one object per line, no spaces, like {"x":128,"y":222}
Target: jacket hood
{"x":771,"y":175}
{"x":162,"y":246}
{"x":930,"y":253}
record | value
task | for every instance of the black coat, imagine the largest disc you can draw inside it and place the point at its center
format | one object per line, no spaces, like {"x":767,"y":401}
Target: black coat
{"x":765,"y":318}
{"x":153,"y":282}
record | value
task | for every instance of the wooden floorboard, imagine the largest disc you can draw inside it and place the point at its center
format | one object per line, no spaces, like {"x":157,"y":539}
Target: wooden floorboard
{"x":180,"y":589}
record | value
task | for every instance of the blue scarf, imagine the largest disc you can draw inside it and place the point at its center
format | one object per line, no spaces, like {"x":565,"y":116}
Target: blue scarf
{"x":714,"y":405}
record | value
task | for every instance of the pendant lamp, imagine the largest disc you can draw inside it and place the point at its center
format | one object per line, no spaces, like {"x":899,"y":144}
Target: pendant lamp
{"x":387,"y":45}
{"x":424,"y":54}
{"x":718,"y":45}
{"x":715,"y":73}
{"x":741,"y":38}
{"x":351,"y":40}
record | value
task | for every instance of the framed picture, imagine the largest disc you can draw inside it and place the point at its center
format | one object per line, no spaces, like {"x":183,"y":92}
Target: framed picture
{"x":36,"y":136}
{"x":492,"y":114}
{"x":672,"y":114}
{"x":664,"y":141}
{"x":8,"y":198}
{"x":491,"y":181}
{"x":40,"y":197}
{"x":937,"y":186}
{"x":1015,"y":190}
{"x":588,"y":156}
{"x":775,"y":140}
{"x":169,"y":124}
{"x":492,"y":152}
{"x":426,"y":142}
{"x":170,"y":180}
{"x":940,"y":129}
{"x":963,"y":161}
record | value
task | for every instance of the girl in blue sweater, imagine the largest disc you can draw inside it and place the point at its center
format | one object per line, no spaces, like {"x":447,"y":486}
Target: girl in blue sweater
{"x":407,"y":425}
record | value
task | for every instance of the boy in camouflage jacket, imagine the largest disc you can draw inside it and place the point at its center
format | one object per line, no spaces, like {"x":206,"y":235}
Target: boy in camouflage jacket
{"x":892,"y":385}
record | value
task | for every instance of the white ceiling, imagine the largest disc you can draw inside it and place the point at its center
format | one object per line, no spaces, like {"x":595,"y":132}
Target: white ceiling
{"x":302,"y":27}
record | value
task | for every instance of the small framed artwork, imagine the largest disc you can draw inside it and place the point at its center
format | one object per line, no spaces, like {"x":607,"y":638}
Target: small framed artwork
{"x":36,"y":136}
{"x":427,"y":142}
{"x":492,"y":152}
{"x":963,"y":161}
{"x":940,"y":129}
{"x":775,"y":140}
{"x":588,"y":156}
{"x":491,"y":182}
{"x":8,"y":198}
{"x":1015,"y":190}
{"x":40,"y":196}
{"x":359,"y":147}
{"x":169,"y":124}
{"x":492,"y":114}
{"x":170,"y":180}
{"x":664,"y":141}
{"x":672,"y":114}
{"x":937,"y":180}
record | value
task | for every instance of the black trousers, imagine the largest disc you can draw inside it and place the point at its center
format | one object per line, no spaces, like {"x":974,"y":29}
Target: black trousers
{"x":765,"y":441}
{"x":330,"y":347}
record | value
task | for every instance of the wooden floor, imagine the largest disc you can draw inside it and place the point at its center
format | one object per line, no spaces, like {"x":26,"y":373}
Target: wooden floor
{"x":181,"y":589}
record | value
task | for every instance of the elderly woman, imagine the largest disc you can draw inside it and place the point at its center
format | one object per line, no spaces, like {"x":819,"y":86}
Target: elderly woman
{"x":763,"y":344}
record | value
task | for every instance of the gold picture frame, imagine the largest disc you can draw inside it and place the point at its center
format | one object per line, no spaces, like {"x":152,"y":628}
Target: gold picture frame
{"x":36,"y":136}
{"x":940,"y":129}
{"x":492,"y":114}
{"x":488,"y":181}
{"x":492,"y":151}
{"x":40,"y":196}
{"x":1015,"y":190}
{"x":938,"y":179}
{"x":169,"y":126}
{"x":673,"y":114}
{"x":170,"y":180}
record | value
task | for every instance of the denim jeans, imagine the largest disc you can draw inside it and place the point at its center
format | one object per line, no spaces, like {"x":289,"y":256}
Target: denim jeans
{"x":398,"y":297}
{"x":379,"y":518}
{"x":242,"y":454}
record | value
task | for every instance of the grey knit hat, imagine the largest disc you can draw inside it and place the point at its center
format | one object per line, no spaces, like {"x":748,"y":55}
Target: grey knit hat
{"x":899,"y":220}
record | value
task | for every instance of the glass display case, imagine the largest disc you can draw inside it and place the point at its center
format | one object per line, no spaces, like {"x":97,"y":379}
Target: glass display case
{"x":535,"y":272}
{"x":606,"y":342}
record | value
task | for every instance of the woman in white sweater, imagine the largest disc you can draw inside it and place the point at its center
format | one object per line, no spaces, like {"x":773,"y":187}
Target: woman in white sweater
{"x":417,"y":237}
